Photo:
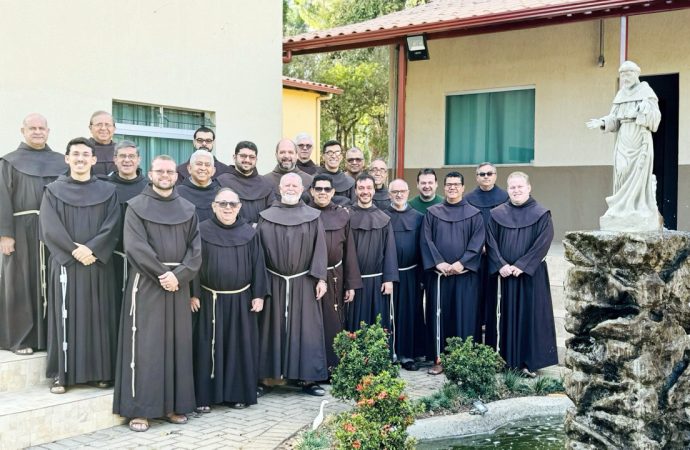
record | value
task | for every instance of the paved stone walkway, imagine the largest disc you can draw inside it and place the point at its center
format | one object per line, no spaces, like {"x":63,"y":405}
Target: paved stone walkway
{"x":276,"y":417}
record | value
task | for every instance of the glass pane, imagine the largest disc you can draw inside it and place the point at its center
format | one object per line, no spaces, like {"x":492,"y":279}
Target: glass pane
{"x":490,"y":126}
{"x":135,"y":114}
{"x":178,"y":149}
{"x":186,"y":120}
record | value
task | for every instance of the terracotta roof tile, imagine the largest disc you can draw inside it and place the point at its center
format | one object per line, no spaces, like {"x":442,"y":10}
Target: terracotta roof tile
{"x":311,"y":85}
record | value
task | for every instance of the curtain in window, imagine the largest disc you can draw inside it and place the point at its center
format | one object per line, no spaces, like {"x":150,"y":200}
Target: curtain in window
{"x":490,"y":126}
{"x":149,"y":147}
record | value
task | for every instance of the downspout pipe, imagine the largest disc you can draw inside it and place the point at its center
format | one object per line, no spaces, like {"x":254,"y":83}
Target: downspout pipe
{"x":400,"y":112}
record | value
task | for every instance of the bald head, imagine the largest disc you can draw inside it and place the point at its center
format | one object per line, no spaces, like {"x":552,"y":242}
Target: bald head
{"x":399,"y":192}
{"x":35,"y":131}
{"x":286,"y":154}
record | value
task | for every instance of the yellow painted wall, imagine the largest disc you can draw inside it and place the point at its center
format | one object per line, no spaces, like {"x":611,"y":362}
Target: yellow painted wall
{"x":301,"y":114}
{"x":69,"y":58}
{"x":560,"y":62}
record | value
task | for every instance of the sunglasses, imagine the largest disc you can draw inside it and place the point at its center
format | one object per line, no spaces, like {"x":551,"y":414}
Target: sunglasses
{"x":486,"y":174}
{"x":224,"y":204}
{"x":322,"y":189}
{"x":351,"y":160}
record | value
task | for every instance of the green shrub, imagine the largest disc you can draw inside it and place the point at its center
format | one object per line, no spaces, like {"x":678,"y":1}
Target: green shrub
{"x":547,"y":385}
{"x":472,"y":366}
{"x":312,"y":440}
{"x":380,"y":418}
{"x":515,"y":383}
{"x":364,"y":352}
{"x":449,"y":397}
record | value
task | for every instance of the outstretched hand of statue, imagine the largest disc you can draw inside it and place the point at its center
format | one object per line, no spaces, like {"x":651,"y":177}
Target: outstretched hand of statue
{"x":595,"y":124}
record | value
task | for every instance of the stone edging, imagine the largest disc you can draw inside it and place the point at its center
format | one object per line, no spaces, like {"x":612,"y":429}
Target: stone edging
{"x":500,"y":413}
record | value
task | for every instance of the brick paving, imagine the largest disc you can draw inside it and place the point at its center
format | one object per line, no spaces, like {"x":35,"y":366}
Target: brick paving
{"x":277,"y":416}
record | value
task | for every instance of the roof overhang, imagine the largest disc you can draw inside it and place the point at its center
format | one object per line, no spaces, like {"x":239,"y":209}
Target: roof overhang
{"x":344,"y":38}
{"x":313,"y":86}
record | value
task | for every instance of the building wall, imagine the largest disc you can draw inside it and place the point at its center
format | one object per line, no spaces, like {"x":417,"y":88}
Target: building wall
{"x":68,"y":58}
{"x":301,"y":113}
{"x":572,"y":167}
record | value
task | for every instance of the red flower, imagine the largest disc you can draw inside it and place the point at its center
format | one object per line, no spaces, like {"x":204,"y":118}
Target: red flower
{"x":383,"y":395}
{"x":352,"y":336}
{"x":370,"y":401}
{"x":349,"y":428}
{"x":359,"y":388}
{"x":357,"y":444}
{"x":402,"y":397}
{"x":361,"y":402}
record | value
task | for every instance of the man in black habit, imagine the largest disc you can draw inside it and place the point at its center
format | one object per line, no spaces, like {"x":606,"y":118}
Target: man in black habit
{"x":343,"y":184}
{"x":128,"y":182}
{"x":485,"y":197}
{"x":375,"y":247}
{"x":102,"y":128}
{"x":204,"y":139}
{"x":228,"y":294}
{"x":292,"y":337}
{"x":452,"y":239}
{"x":256,"y":193}
{"x":305,"y":146}
{"x":343,"y":270}
{"x":409,"y":331}
{"x":80,"y":224}
{"x":519,"y":236}
{"x":286,"y":156}
{"x":200,"y":187}
{"x":379,"y":171}
{"x":154,"y":360}
{"x":23,"y":175}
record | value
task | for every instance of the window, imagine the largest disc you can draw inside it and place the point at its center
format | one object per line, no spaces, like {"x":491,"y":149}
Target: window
{"x":496,"y":126}
{"x":158,"y":130}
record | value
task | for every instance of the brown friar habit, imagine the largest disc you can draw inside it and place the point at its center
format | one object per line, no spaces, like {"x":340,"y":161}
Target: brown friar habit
{"x":344,"y":187}
{"x":82,"y":319}
{"x":308,"y":167}
{"x":126,"y":190}
{"x":485,"y":201}
{"x":201,"y":196}
{"x":105,"y":155}
{"x":408,"y":296}
{"x":226,"y":340}
{"x":154,"y":359}
{"x":277,"y":173}
{"x":521,"y":236}
{"x":23,"y":175}
{"x":450,"y":233}
{"x":292,"y":339}
{"x":382,"y":199}
{"x":255,"y":192}
{"x":183,"y":171}
{"x":376,"y":255}
{"x":343,"y":273}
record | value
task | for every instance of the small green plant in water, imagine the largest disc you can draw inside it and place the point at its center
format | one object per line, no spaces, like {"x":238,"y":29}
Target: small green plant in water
{"x":472,"y":366}
{"x":364,"y":352}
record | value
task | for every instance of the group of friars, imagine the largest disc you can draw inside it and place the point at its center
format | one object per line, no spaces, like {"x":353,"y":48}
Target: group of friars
{"x":102,"y":264}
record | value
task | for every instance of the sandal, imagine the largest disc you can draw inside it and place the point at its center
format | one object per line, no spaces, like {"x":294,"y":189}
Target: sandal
{"x":313,"y":389}
{"x":139,"y":424}
{"x":57,"y":388}
{"x":203,"y":409}
{"x":177,"y":419}
{"x":436,"y":369}
{"x":410,"y":365}
{"x":100,"y":384}
{"x":238,"y":405}
{"x":24,"y":351}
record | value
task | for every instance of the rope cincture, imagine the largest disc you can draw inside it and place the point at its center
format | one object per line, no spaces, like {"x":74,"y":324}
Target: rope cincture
{"x":133,"y":314}
{"x":63,"y":284}
{"x":287,"y":279}
{"x":124,"y":270}
{"x":215,"y":293}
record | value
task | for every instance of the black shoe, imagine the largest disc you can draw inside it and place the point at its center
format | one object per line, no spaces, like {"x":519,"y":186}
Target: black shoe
{"x":313,"y":389}
{"x":262,"y":389}
{"x":410,"y":365}
{"x":238,"y":405}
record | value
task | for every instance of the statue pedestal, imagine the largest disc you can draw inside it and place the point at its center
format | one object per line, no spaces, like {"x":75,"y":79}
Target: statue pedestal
{"x":628,"y":308}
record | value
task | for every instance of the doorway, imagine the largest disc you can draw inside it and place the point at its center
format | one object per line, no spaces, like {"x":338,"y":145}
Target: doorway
{"x":666,"y":147}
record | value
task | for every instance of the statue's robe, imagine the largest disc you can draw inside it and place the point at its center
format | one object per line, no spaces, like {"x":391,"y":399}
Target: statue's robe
{"x":154,"y":361}
{"x":376,"y":255}
{"x":226,"y":340}
{"x":291,"y":328}
{"x":82,"y":300}
{"x":23,"y":175}
{"x":408,"y":296}
{"x":450,"y":233}
{"x":521,"y":236}
{"x":254,"y":191}
{"x":485,"y":201}
{"x":201,"y":196}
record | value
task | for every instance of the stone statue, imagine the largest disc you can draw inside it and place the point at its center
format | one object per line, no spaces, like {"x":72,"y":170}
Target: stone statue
{"x":634,"y":116}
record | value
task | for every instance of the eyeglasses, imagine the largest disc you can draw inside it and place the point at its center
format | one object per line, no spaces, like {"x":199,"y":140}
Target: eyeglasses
{"x":132,"y":156}
{"x":203,"y":141}
{"x":331,"y":153}
{"x":377,"y":170}
{"x":453,"y":185}
{"x":322,"y":188}
{"x":351,"y":160}
{"x":399,"y":192}
{"x":164,"y":172}
{"x":306,"y":146}
{"x":486,"y":174}
{"x":103,"y":125}
{"x":224,"y":204}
